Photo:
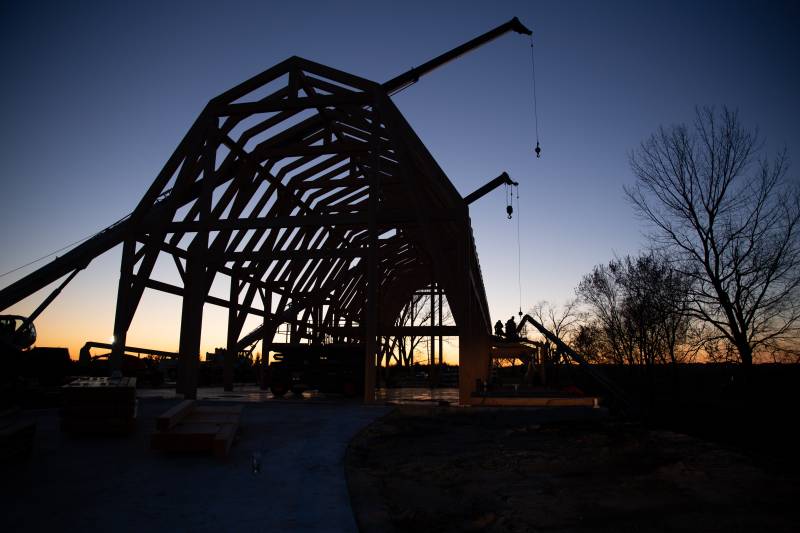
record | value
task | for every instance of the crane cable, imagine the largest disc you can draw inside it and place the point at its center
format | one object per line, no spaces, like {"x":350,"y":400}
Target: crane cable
{"x":160,"y":197}
{"x":51,"y":253}
{"x":70,"y":245}
{"x":519,"y":256}
{"x":538,"y":149}
{"x":510,"y":210}
{"x":509,"y":201}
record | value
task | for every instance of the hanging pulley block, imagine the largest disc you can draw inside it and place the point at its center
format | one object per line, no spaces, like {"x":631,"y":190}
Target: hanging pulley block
{"x":509,"y":211}
{"x":538,"y":150}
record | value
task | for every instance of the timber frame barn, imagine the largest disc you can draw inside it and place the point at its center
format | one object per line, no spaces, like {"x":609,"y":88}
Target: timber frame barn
{"x":307,"y":188}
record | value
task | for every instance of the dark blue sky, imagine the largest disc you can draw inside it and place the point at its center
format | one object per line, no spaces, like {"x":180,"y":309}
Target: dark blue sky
{"x":96,"y":95}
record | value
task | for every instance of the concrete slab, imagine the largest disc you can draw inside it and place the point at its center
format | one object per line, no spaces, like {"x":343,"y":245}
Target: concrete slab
{"x":120,"y":484}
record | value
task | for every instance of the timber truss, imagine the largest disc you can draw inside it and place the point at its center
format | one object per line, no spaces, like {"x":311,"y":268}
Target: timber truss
{"x":307,"y":189}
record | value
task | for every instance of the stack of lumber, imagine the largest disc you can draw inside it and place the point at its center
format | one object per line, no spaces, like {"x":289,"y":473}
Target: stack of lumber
{"x":189,"y":427}
{"x":99,"y":405}
{"x":16,"y":435}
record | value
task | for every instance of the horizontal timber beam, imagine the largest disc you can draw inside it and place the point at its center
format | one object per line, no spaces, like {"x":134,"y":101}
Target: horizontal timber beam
{"x":289,"y":255}
{"x":386,"y":217}
{"x":274,"y":286}
{"x":178,"y":291}
{"x":348,"y":98}
{"x":396,"y":331}
{"x":299,"y":150}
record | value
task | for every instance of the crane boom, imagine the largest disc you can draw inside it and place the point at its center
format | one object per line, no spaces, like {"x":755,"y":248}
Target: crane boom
{"x":596,"y":373}
{"x":72,"y":261}
{"x":489,"y":187}
{"x":412,"y":76}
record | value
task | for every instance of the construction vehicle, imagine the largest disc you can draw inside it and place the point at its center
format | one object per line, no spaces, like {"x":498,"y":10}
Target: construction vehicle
{"x":212,"y":370}
{"x":336,"y":368}
{"x":150,"y":367}
{"x":619,"y":396}
{"x":28,"y":375}
{"x":22,"y":368}
{"x":16,"y":332}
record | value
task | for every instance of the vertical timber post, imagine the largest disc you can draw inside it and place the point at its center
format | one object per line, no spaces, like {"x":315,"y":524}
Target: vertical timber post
{"x":410,"y":356}
{"x":432,"y":362}
{"x":266,"y":340}
{"x":231,"y":348}
{"x":466,"y":374}
{"x":191,"y":324}
{"x":473,"y":341}
{"x":123,"y":315}
{"x":441,"y":337}
{"x":370,"y":347}
{"x":371,"y":308}
{"x":195,"y":285}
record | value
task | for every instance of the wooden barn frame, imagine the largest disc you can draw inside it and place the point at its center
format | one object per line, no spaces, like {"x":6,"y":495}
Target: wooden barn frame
{"x":306,"y":188}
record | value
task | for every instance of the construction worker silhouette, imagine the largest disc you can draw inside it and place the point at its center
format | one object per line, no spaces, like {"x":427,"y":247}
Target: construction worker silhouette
{"x":511,"y":329}
{"x":498,"y":329}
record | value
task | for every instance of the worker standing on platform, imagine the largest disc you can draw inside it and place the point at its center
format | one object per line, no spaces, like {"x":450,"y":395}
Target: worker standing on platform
{"x":498,"y":329}
{"x":511,"y":329}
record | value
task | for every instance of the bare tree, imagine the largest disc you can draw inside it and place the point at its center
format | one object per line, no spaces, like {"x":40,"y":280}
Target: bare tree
{"x":655,"y":307}
{"x":603,"y":293}
{"x":590,"y":342}
{"x":729,"y":219}
{"x":561,"y":320}
{"x":417,"y":312}
{"x":414,"y":313}
{"x":638,"y":311}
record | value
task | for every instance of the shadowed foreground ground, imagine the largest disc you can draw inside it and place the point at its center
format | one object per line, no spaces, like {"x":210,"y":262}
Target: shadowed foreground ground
{"x":466,"y":470}
{"x":73,"y":483}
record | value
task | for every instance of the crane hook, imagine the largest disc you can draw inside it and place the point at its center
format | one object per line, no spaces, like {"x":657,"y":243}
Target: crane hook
{"x":538,"y":150}
{"x":509,"y":211}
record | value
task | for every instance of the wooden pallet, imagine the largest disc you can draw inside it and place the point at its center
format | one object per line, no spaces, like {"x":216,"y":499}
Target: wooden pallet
{"x":189,"y":427}
{"x":99,"y":405}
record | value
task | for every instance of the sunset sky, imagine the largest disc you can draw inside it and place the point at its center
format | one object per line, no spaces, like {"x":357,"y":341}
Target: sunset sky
{"x":96,"y":95}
